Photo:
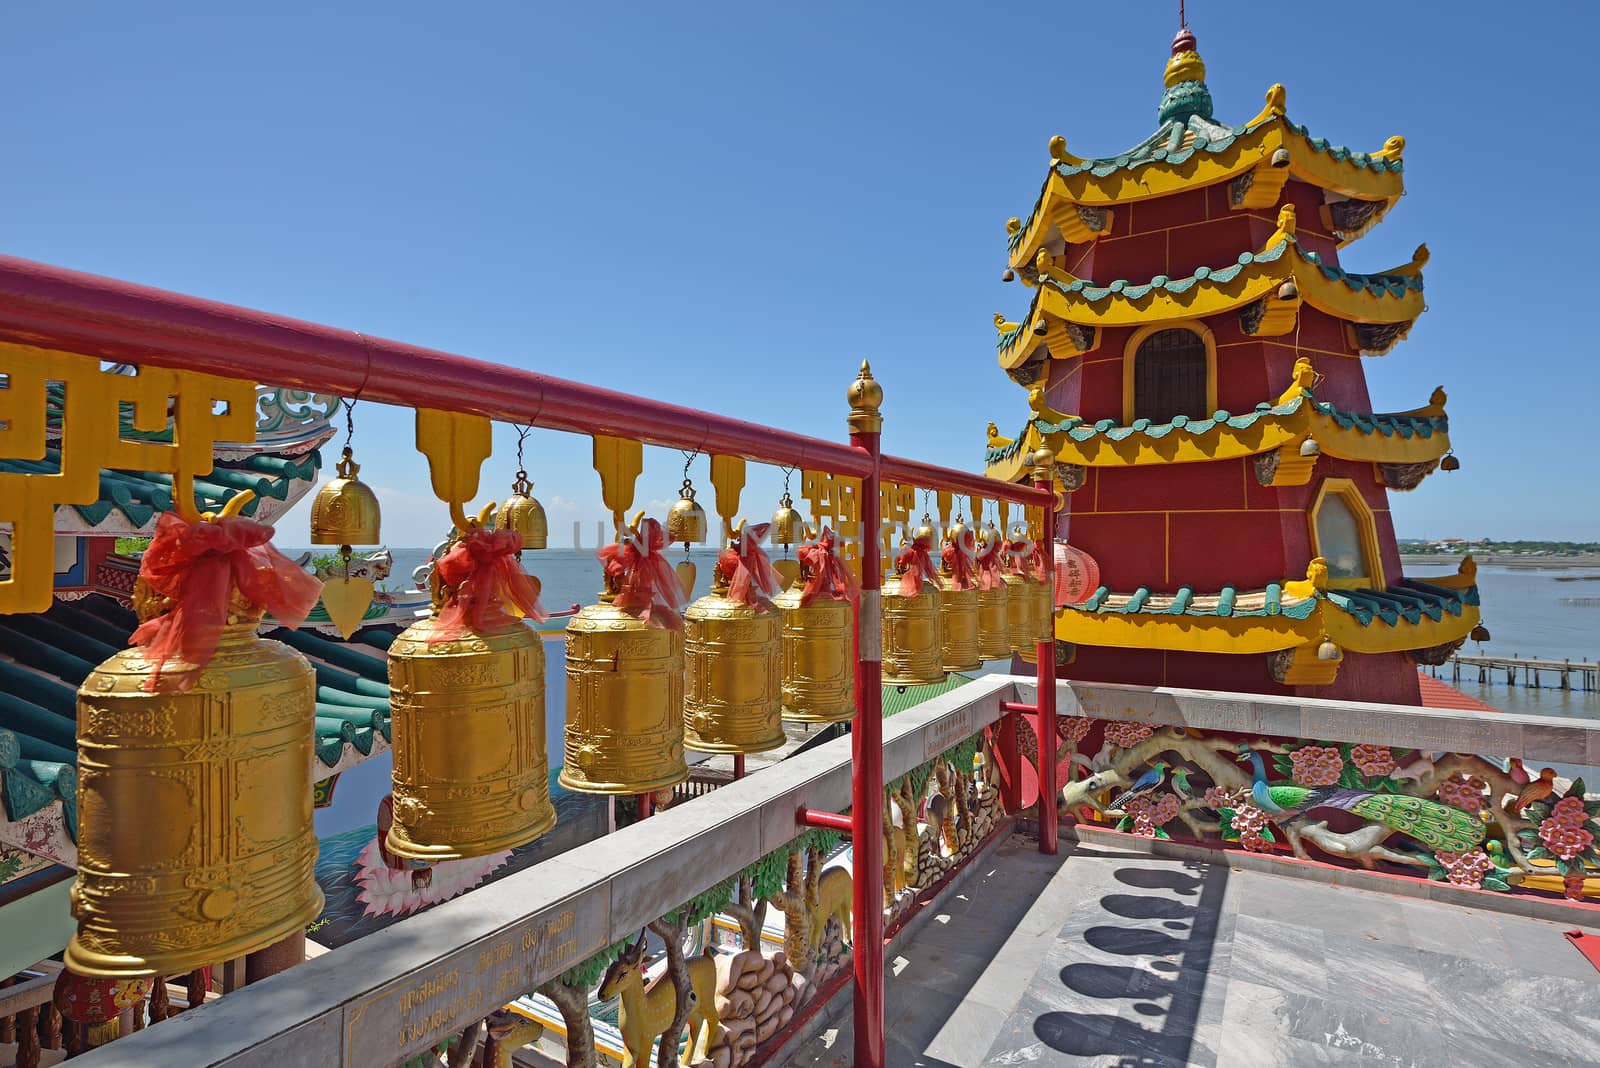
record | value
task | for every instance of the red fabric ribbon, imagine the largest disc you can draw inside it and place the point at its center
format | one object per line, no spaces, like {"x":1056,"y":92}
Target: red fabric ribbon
{"x":646,"y":584}
{"x":751,"y":576}
{"x":915,"y":563}
{"x":480,"y":574}
{"x":197,"y":565}
{"x":958,"y":559}
{"x":989,"y":564}
{"x":828,"y":573}
{"x":1017,"y":556}
{"x":1039,"y":562}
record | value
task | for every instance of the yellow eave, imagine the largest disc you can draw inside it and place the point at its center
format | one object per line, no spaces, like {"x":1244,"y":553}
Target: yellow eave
{"x":1268,"y":431}
{"x":1345,"y":631}
{"x":1194,"y":634}
{"x":1251,"y":150}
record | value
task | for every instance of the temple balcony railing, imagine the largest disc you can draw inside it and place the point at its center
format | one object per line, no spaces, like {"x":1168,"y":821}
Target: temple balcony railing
{"x":410,"y":987}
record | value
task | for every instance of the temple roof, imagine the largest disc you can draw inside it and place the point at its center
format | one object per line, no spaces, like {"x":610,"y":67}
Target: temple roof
{"x":1396,"y":440}
{"x":1190,"y":149}
{"x":1067,"y":313}
{"x":45,"y":657}
{"x":1297,"y":617}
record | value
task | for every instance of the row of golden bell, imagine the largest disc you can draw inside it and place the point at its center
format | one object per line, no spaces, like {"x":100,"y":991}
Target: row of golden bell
{"x":196,"y":841}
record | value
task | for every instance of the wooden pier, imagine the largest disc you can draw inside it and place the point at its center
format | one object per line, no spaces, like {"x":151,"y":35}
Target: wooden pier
{"x":1527,"y":671}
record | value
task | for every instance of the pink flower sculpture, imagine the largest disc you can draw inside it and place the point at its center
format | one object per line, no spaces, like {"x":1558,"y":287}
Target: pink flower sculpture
{"x":1317,"y":765}
{"x":1563,"y":832}
{"x":1073,"y":728}
{"x":1249,"y":821}
{"x":1126,"y":735}
{"x":1465,"y":869}
{"x":1217,"y":797}
{"x":1166,"y":810}
{"x":1373,"y":759}
{"x":1464,"y":792}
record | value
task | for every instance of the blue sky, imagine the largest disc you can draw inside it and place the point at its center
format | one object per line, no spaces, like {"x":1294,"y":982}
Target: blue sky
{"x":728,"y":206}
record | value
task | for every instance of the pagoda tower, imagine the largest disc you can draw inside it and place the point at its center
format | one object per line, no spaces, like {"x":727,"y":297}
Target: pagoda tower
{"x":1194,"y":356}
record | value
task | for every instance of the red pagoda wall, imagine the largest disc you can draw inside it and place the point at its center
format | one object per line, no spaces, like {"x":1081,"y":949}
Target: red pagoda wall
{"x":1209,"y":525}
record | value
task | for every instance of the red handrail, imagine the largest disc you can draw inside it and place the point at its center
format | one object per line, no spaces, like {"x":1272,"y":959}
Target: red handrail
{"x":113,"y":320}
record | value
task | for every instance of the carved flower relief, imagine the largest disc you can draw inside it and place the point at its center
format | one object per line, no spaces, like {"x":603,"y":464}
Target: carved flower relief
{"x":1465,"y":792}
{"x":1317,"y":765}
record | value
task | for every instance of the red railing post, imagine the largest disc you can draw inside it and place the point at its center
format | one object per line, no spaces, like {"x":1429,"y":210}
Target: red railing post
{"x":1045,"y":661}
{"x":866,"y":741}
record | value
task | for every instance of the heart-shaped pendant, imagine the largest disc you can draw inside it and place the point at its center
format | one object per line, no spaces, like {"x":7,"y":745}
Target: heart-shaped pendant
{"x":789,"y":570}
{"x":686,"y":576}
{"x":347,"y":601}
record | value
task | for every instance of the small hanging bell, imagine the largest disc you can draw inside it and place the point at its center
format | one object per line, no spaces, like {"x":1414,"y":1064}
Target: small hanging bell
{"x":686,"y":520}
{"x":787,"y":526}
{"x":523,"y":513}
{"x":345,"y":510}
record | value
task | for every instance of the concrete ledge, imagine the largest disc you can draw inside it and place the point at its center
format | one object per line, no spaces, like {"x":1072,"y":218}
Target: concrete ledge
{"x":1555,"y":910}
{"x":1534,"y":738}
{"x":396,"y":992}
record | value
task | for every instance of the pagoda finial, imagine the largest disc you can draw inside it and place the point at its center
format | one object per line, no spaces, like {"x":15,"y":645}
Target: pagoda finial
{"x":1185,"y":80}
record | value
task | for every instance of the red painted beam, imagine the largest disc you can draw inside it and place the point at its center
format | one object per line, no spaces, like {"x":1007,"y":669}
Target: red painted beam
{"x":831,"y":821}
{"x":112,"y":320}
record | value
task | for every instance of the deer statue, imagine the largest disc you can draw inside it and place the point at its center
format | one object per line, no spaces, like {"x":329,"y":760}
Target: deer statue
{"x":647,"y":1011}
{"x":833,"y":901}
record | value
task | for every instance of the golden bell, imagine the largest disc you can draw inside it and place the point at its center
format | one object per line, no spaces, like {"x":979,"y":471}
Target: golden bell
{"x":732,"y":688}
{"x":624,"y":703}
{"x":686,"y":520}
{"x":994,"y":624}
{"x":195,"y":838}
{"x":958,"y":624}
{"x":1020,"y":626}
{"x":523,"y":513}
{"x":470,"y":772}
{"x":913,"y":638}
{"x":816,"y":657}
{"x":345,"y":510}
{"x":787,"y":526}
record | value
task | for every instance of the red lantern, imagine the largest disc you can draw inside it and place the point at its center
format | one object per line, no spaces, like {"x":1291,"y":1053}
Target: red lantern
{"x":1077,"y":575}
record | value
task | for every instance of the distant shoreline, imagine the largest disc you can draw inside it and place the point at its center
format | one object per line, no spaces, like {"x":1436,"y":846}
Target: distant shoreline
{"x":1516,"y":562}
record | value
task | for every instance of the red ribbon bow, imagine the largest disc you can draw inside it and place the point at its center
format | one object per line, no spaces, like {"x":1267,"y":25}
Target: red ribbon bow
{"x":989,"y":565}
{"x":915,"y":564}
{"x":480,"y":574}
{"x":1039,"y":561}
{"x":752,"y":577}
{"x":197,"y":565}
{"x":828,"y":573}
{"x":646,"y":584}
{"x":1017,"y":554}
{"x":958,"y":559}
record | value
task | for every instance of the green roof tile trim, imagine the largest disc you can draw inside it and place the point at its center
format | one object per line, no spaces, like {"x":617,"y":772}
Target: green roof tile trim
{"x":1183,"y":604}
{"x":1349,"y":155}
{"x":897,"y":699}
{"x":1165,"y":146}
{"x":1405,"y":426}
{"x":1133,"y":291}
{"x":1379,"y":285}
{"x":1184,"y":101}
{"x":1410,"y":600}
{"x":140,"y":495}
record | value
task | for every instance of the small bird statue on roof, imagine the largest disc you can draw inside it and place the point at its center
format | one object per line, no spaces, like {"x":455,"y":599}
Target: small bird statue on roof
{"x":1537,"y":790}
{"x":1150,"y":781}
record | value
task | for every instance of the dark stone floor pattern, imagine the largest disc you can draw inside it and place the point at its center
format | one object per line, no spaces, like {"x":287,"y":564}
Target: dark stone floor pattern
{"x":1101,"y":957}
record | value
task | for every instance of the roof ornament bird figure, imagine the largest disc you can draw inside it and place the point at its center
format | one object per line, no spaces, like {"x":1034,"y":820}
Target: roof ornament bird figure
{"x":1435,"y":825}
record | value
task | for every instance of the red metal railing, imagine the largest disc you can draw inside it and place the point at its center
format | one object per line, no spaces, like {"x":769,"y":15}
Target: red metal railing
{"x":111,"y":320}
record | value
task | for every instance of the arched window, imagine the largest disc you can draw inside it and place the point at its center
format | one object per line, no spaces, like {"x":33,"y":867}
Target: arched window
{"x":1345,"y":536}
{"x":1170,"y":377}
